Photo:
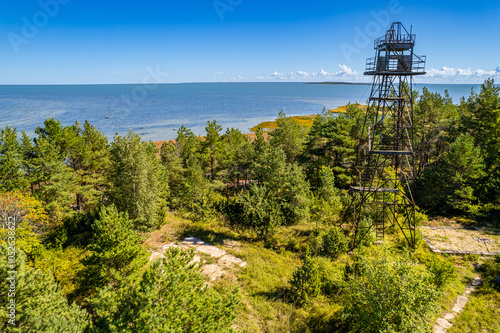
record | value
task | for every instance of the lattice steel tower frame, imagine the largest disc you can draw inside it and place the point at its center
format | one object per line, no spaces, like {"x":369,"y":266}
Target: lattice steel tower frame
{"x":381,"y":192}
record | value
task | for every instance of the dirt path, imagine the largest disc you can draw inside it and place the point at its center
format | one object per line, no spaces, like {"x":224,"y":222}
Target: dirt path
{"x":446,"y":321}
{"x":213,"y":271}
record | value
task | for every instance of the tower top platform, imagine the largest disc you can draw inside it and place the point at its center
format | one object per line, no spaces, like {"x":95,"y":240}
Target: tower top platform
{"x":397,"y":38}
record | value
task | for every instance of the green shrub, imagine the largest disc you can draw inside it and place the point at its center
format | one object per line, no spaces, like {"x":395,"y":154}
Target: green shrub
{"x":442,"y":269}
{"x":392,"y":295}
{"x":170,"y":296}
{"x":260,"y":210}
{"x":40,"y":305}
{"x":491,"y":270}
{"x":334,"y":243}
{"x":331,"y":276}
{"x":305,"y":281}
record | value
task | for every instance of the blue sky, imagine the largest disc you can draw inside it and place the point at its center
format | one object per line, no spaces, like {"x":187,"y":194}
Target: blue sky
{"x":83,"y":42}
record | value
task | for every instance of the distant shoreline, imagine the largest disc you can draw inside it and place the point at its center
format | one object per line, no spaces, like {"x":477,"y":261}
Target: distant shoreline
{"x":341,"y":83}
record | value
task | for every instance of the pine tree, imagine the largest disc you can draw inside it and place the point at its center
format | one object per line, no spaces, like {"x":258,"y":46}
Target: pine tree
{"x":28,"y":157}
{"x":170,"y":296}
{"x":305,"y":281}
{"x":12,"y":175}
{"x":88,"y":156}
{"x":170,"y":155}
{"x":187,"y":143}
{"x":289,"y":136}
{"x":331,"y":142}
{"x":139,"y":183}
{"x":462,"y":167}
{"x":40,"y":306}
{"x":334,"y":243}
{"x":214,"y":148}
{"x":259,"y":210}
{"x":260,"y":149}
{"x":434,"y":119}
{"x":115,"y":247}
{"x":480,"y":117}
{"x":287,"y":185}
{"x":238,"y":155}
{"x":327,"y":203}
{"x":282,"y":190}
{"x":54,"y":182}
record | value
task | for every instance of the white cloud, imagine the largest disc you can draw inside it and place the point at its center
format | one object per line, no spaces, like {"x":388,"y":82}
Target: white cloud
{"x":460,"y":75}
{"x":323,"y":72}
{"x":277,"y":75}
{"x":344,"y":73}
{"x":347,"y":70}
{"x":347,"y":74}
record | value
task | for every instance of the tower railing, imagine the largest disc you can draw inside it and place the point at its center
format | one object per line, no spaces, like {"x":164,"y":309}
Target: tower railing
{"x":395,"y":41}
{"x":404,"y":65}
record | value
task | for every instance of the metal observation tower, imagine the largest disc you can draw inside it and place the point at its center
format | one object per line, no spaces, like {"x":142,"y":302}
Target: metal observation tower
{"x":381,"y":193}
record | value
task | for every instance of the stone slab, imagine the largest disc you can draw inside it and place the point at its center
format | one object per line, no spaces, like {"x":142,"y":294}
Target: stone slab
{"x":444,"y":323}
{"x":449,"y":316}
{"x":439,"y":329}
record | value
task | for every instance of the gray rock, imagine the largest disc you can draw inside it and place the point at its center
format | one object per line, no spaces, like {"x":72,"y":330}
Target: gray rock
{"x":462,"y":300}
{"x":449,"y":316}
{"x":444,"y":323}
{"x":476,"y":282}
{"x":439,"y":329}
{"x":497,"y":281}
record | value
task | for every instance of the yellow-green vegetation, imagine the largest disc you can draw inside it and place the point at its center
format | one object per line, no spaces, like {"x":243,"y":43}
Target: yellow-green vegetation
{"x":482,"y":312}
{"x":64,"y":264}
{"x":266,"y":295}
{"x":343,"y":108}
{"x":306,"y":121}
{"x":88,"y":211}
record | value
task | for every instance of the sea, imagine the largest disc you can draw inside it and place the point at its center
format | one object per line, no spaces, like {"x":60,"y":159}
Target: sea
{"x":156,"y":112}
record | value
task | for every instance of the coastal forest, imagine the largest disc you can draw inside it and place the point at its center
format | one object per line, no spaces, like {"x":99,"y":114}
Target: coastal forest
{"x":82,"y":216}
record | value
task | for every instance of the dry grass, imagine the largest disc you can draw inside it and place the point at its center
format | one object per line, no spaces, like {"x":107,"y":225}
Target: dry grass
{"x":272,"y":125}
{"x":343,"y":109}
{"x":171,"y":231}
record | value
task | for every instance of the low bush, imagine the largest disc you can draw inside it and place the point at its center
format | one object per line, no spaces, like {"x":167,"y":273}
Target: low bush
{"x":392,"y":294}
{"x":491,"y":271}
{"x":334,"y":243}
{"x":442,"y":269}
{"x":306,"y":281}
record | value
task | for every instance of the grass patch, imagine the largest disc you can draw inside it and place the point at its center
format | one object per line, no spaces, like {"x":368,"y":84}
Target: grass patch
{"x":64,"y":264}
{"x":264,"y":283}
{"x":456,"y":287}
{"x":306,"y":121}
{"x":481,"y":314}
{"x":343,"y":109}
